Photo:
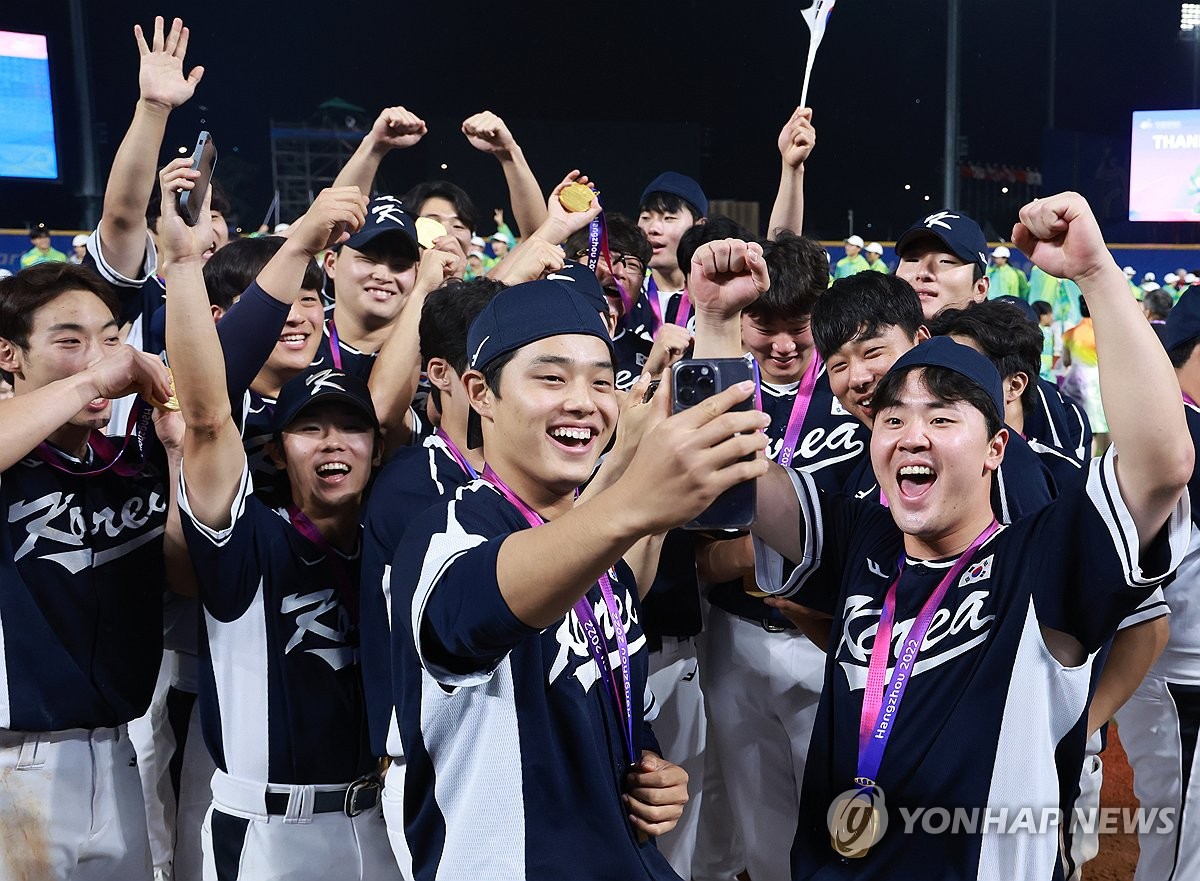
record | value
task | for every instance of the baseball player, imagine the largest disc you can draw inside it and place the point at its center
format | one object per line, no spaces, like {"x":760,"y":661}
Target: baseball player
{"x":944,"y":258}
{"x":1014,"y":680}
{"x":296,"y":790}
{"x":670,"y":205}
{"x":82,"y":563}
{"x":519,"y":658}
{"x":762,"y":683}
{"x":1159,"y":723}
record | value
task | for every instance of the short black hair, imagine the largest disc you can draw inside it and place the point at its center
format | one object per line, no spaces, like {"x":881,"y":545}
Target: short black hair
{"x":448,"y":314}
{"x":799,"y":275}
{"x":443,"y":189}
{"x":863,"y":305}
{"x":1041,"y":307}
{"x":1180,"y":353}
{"x":230,"y":271}
{"x":669,"y":203}
{"x":1005,"y":334}
{"x":945,"y":385}
{"x":1158,"y":303}
{"x":714,"y":229}
{"x":219,"y":203}
{"x":23,"y":294}
{"x":624,"y":237}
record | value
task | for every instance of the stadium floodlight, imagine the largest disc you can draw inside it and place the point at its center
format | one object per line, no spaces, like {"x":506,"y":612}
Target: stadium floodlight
{"x":1189,"y":17}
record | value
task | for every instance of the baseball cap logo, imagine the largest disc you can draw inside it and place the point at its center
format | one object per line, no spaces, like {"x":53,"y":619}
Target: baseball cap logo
{"x":320,"y":382}
{"x":482,"y":343}
{"x":388,"y":209}
{"x":940,"y":219}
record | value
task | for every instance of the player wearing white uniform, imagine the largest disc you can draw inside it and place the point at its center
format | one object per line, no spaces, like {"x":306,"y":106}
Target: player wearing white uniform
{"x":1011,"y":682}
{"x":1159,"y":724}
{"x":295,"y":794}
{"x":81,"y":581}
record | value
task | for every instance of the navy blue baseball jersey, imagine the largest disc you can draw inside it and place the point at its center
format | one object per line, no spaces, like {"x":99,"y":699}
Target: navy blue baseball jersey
{"x":349,"y":359}
{"x":81,"y":582}
{"x":280,"y":683}
{"x":632,"y":350}
{"x":414,"y":479}
{"x":1060,"y":423}
{"x":1021,"y":486}
{"x":985,"y":723}
{"x":516,"y":757}
{"x":830,"y":446}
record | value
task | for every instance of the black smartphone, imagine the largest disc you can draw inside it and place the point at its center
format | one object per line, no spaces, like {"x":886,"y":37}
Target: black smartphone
{"x":694,"y":380}
{"x":204,"y":160}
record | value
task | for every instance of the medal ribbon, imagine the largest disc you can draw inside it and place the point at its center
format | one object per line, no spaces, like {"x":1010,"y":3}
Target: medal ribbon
{"x":597,"y":246}
{"x":878,"y":715}
{"x":341,"y":571}
{"x":335,"y":347}
{"x":137,"y":429}
{"x":1188,"y":399}
{"x":456,"y":453}
{"x":681,"y":314}
{"x":795,"y":423}
{"x":591,"y":627}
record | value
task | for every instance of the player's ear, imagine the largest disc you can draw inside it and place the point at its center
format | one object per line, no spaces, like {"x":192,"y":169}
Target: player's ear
{"x":479,"y":396}
{"x":11,"y":357}
{"x":329,"y":262}
{"x":995,"y":451}
{"x":276,"y":454}
{"x":922,"y":334}
{"x":441,"y":374}
{"x":981,"y":288}
{"x":1014,"y":387}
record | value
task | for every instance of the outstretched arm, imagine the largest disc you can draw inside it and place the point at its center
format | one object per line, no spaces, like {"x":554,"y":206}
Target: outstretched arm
{"x":1138,"y":386}
{"x":796,"y":142}
{"x":395,"y":129}
{"x":487,"y":132}
{"x":163,"y":87}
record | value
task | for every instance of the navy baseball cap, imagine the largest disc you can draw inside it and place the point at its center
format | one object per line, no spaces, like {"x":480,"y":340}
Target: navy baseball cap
{"x":678,"y":185}
{"x":941,"y":351}
{"x":584,"y":282}
{"x":524,"y":314}
{"x":387,"y":214}
{"x":1183,"y":321}
{"x":320,"y":387}
{"x":960,"y":234}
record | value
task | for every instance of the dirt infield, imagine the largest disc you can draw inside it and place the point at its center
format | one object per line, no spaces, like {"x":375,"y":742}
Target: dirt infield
{"x":1119,"y":851}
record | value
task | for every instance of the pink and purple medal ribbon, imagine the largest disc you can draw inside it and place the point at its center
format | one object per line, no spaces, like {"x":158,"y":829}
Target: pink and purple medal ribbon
{"x":1188,"y":399}
{"x":347,"y":588}
{"x":597,"y":246}
{"x":141,"y":418}
{"x":591,"y":627}
{"x":681,"y":314}
{"x":456,"y":453}
{"x":878,"y":718}
{"x":804,"y":394}
{"x":335,"y":346}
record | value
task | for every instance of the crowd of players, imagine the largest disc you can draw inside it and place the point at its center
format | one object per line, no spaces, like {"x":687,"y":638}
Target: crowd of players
{"x":384,"y":576}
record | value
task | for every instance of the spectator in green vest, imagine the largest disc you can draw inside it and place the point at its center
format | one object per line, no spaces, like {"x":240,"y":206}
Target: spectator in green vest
{"x":875,"y":258}
{"x":853,"y":263}
{"x":41,"y":252}
{"x":1006,"y":279}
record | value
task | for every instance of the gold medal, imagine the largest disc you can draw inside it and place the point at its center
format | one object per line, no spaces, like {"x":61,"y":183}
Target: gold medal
{"x":855,"y":825}
{"x":576,"y":197}
{"x":171,"y":405}
{"x":428,"y":230}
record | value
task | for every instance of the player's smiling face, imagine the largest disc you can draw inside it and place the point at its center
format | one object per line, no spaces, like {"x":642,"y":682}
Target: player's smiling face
{"x":941,"y":279}
{"x":301,"y":335}
{"x":67,"y":335}
{"x":373,"y":284}
{"x":781,"y":348}
{"x":856,"y":368}
{"x":556,"y":410}
{"x":329,"y":451}
{"x":932,"y":458}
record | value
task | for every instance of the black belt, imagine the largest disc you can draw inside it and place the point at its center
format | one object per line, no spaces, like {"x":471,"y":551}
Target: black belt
{"x":352,"y":800}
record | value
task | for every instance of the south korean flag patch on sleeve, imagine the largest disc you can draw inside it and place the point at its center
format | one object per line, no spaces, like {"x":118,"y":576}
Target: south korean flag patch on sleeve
{"x":980,"y":571}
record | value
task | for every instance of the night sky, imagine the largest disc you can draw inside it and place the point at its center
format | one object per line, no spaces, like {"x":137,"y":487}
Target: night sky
{"x":624,"y":90}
